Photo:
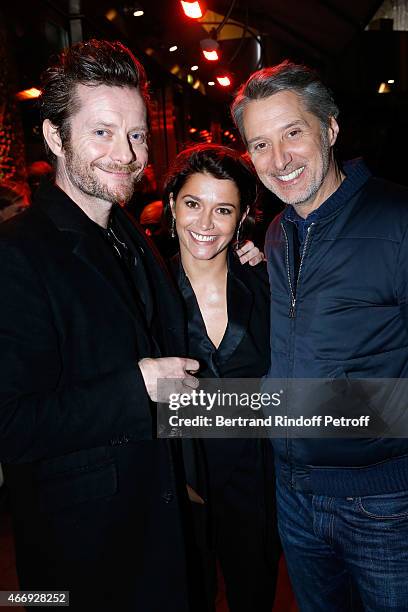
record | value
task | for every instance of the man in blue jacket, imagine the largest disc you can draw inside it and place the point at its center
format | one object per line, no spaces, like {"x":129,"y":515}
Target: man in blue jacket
{"x":338,"y":266}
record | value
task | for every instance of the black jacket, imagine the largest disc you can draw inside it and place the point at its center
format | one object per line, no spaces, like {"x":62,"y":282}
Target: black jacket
{"x":94,"y":496}
{"x":350,"y":321}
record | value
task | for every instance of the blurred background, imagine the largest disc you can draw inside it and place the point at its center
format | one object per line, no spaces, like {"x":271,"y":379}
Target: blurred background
{"x":359,"y":46}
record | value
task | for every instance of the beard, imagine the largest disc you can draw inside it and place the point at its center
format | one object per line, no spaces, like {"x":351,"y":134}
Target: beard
{"x":83,"y":176}
{"x":316,"y":182}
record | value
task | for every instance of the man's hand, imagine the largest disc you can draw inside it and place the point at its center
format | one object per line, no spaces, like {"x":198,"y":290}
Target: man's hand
{"x":168,"y":367}
{"x":250,"y":253}
{"x":194,"y":496}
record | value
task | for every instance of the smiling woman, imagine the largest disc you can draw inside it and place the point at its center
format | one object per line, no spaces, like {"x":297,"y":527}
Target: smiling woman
{"x":207,"y":211}
{"x":210,"y":197}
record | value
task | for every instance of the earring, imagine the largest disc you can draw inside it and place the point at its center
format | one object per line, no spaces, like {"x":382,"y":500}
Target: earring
{"x":173,"y":232}
{"x":173,"y":228}
{"x":238,"y":236}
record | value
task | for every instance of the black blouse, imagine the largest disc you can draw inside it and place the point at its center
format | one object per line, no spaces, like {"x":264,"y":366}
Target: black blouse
{"x":244,"y":351}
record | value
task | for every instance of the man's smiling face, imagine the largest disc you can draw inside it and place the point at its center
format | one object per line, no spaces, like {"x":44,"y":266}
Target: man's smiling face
{"x":107,"y":149}
{"x":290,"y":149}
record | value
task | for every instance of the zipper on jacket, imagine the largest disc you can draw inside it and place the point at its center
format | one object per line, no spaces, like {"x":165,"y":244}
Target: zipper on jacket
{"x":292,"y":295}
{"x":292,"y":309}
{"x":292,"y":314}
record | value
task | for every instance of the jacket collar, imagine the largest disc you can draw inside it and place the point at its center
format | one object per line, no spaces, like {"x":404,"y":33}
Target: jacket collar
{"x":84,"y":238}
{"x":63,"y":212}
{"x":357,"y":174}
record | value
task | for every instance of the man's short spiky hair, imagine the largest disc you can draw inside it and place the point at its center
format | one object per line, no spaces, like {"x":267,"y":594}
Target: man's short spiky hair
{"x":287,"y":76}
{"x":90,"y":63}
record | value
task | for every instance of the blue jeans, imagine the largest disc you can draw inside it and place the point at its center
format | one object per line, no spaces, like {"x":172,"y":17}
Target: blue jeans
{"x":345,"y":554}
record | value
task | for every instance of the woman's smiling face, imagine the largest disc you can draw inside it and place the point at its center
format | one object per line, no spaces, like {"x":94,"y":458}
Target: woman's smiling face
{"x":207,"y":211}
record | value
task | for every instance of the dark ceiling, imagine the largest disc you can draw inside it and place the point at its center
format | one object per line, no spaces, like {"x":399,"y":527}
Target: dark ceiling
{"x":322,"y":27}
{"x":327,"y":34}
{"x":255,"y":32}
{"x":317,"y":31}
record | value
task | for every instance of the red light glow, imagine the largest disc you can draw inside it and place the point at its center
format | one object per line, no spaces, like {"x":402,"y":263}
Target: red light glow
{"x":192,"y":9}
{"x":28,"y":94}
{"x":224,"y":81}
{"x":211,"y":56}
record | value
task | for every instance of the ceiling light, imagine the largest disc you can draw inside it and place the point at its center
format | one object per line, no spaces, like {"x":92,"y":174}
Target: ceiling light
{"x":195,"y":67}
{"x":384,"y":88}
{"x":224,"y":81}
{"x":173,"y":48}
{"x":211,"y":83}
{"x":391,"y":81}
{"x":111,"y":14}
{"x":210,"y":48}
{"x":28,"y":94}
{"x":211,"y":56}
{"x":192,"y":9}
{"x":133,"y":8}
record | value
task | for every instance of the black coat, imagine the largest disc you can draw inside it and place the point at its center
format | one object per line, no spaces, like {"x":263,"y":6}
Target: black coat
{"x":93,"y":496}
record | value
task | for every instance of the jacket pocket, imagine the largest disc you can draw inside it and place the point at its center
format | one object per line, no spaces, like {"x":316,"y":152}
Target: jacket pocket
{"x":75,"y":479}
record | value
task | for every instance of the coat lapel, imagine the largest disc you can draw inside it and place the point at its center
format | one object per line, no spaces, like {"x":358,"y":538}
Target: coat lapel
{"x":77,"y":229}
{"x":90,"y":253}
{"x":80,"y":236}
{"x":168,"y":319}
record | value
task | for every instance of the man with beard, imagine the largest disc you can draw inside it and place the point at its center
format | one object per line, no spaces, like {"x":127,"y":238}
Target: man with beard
{"x":338,"y":266}
{"x":87,"y":321}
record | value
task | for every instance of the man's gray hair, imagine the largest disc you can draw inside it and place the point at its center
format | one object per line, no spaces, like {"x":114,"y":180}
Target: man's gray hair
{"x":287,"y":76}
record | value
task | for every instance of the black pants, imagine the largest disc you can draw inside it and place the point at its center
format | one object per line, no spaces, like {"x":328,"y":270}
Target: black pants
{"x":237,"y":527}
